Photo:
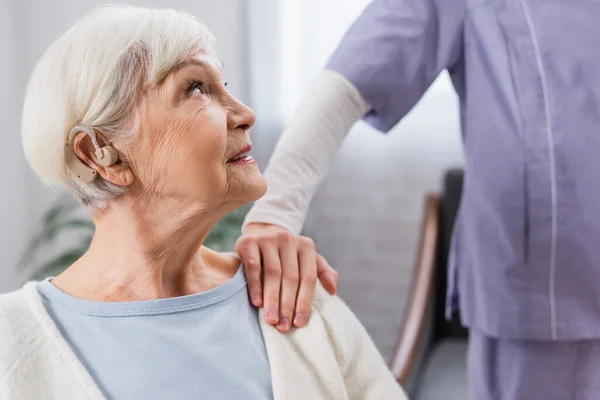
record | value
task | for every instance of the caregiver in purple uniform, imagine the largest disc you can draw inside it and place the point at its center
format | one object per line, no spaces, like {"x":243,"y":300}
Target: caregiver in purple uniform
{"x":525,"y":262}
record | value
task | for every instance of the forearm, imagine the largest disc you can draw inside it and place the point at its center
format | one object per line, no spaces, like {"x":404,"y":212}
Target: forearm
{"x":306,"y":149}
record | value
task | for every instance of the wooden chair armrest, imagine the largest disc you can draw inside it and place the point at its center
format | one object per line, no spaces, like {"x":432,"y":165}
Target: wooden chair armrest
{"x":415,"y":317}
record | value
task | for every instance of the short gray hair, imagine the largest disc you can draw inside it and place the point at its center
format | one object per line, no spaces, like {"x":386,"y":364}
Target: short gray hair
{"x":94,"y":75}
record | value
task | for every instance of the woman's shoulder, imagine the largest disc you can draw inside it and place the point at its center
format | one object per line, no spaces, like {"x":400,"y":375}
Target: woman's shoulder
{"x":365,"y":372}
{"x":30,"y":345}
{"x":344,"y":330}
{"x":329,"y":306}
{"x":14,"y":310}
{"x":19,"y":329}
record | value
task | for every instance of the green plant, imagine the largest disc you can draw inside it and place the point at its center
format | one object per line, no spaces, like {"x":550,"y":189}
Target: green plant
{"x":43,"y":257}
{"x":67,"y":221}
{"x":227,"y":231}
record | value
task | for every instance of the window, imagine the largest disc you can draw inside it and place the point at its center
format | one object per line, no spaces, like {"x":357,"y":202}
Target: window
{"x":290,"y":42}
{"x":310,"y":31}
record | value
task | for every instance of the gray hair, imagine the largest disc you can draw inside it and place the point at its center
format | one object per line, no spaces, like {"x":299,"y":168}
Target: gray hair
{"x":94,"y":75}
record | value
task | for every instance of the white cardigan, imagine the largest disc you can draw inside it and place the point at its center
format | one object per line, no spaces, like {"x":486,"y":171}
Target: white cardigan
{"x":331,"y":358}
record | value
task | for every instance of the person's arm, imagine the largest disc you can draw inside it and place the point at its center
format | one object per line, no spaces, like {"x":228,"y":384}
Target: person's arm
{"x":303,"y":154}
{"x":301,"y":159}
{"x":391,"y":55}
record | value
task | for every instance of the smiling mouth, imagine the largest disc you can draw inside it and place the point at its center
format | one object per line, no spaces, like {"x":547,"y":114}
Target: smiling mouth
{"x":242,"y":157}
{"x":239,"y":158}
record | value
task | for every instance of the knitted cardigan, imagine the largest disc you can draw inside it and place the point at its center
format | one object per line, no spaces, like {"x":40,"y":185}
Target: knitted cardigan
{"x":332,"y":357}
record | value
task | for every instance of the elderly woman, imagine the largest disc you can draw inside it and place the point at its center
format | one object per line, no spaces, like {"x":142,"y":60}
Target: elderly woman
{"x":129,"y":112}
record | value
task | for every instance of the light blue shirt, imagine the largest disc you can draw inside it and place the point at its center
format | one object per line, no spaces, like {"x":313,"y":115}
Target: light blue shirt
{"x":203,"y":346}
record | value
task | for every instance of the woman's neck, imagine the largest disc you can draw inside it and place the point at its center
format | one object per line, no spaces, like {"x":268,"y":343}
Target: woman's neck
{"x":149,"y":251}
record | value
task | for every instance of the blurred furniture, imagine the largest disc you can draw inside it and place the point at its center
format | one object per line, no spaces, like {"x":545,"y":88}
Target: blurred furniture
{"x":430,"y":357}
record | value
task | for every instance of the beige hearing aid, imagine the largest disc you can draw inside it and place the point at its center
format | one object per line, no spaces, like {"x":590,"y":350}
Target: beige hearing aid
{"x":106,"y":155}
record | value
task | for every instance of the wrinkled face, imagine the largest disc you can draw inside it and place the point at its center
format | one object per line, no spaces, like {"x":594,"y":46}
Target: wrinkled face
{"x":194,"y":139}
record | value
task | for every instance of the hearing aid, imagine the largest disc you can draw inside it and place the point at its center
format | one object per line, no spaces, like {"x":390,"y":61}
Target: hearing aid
{"x":106,"y":155}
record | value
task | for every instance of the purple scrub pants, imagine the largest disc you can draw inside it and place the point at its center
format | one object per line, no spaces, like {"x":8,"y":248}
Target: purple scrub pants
{"x":500,"y":369}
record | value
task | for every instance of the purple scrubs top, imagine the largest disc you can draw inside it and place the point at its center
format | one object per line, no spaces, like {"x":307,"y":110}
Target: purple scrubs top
{"x":525,"y":261}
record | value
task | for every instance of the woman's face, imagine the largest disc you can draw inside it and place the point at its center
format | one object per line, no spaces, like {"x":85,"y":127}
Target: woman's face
{"x":194,"y":138}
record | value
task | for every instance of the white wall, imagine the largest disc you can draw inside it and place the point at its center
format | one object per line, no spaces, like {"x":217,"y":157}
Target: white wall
{"x":27,"y":27}
{"x":14,"y":223}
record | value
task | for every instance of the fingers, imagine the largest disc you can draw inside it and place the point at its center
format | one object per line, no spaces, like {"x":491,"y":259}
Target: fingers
{"x":247,"y":248}
{"x":308,"y":283}
{"x":328,"y":276}
{"x":289,"y":284}
{"x":289,"y":267}
{"x":272,"y":280}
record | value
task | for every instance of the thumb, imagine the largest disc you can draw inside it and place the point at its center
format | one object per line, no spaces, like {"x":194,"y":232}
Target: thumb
{"x":328,"y":276}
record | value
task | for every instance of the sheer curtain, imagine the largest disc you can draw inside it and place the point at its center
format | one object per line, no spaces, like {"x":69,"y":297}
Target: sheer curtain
{"x":289,"y":42}
{"x":311,"y":30}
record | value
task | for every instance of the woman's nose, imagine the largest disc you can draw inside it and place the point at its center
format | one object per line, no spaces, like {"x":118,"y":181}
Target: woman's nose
{"x":242,"y":118}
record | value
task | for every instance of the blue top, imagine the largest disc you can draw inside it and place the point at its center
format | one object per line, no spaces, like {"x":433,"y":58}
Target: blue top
{"x":525,"y":259}
{"x":203,"y":346}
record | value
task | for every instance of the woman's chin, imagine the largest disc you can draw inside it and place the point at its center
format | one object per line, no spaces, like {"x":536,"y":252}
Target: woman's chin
{"x":258,"y":188}
{"x":252,"y":189}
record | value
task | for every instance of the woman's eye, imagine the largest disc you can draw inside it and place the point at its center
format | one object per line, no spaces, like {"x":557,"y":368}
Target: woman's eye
{"x":195,"y":88}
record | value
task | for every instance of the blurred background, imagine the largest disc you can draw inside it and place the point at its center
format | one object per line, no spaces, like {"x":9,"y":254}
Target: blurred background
{"x":366,"y":217}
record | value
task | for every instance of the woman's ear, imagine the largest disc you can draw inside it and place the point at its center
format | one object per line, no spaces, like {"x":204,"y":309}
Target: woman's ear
{"x":119,"y":173}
